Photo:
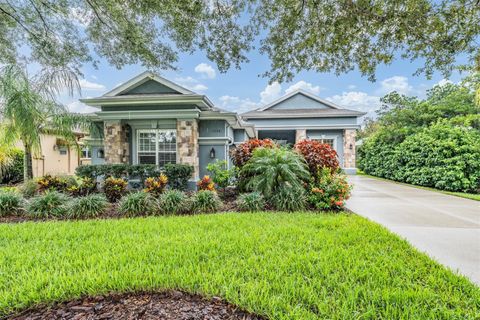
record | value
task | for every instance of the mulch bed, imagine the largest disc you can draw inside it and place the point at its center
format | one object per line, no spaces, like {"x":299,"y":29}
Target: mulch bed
{"x":164,"y":305}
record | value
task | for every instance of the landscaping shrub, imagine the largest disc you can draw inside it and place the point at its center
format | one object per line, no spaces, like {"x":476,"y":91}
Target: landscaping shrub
{"x":156,"y":186}
{"x":114,"y":188}
{"x":89,"y":206}
{"x":205,"y":201}
{"x":317,"y":155}
{"x":329,"y":190}
{"x":56,"y":183}
{"x":11,"y":166}
{"x":85,"y":187}
{"x":49,"y":204}
{"x":244,"y":151}
{"x":10,"y":203}
{"x":172,"y":202}
{"x":137,"y":204}
{"x":288,"y":198}
{"x":221,"y":176}
{"x":253,"y":201}
{"x":178,"y":175}
{"x":206,"y":183}
{"x":271,"y":169}
{"x":140,"y":171}
{"x":28,"y":188}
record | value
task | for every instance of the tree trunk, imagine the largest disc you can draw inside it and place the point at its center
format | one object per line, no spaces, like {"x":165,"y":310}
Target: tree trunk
{"x":27,"y":163}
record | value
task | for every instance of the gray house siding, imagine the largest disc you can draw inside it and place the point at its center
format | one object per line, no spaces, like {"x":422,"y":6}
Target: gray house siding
{"x":299,"y":101}
{"x":298,"y":123}
{"x":151,"y":87}
{"x":216,"y":134}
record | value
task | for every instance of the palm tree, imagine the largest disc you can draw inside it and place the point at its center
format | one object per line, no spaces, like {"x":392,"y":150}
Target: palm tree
{"x":28,"y":108}
{"x":270,"y":169}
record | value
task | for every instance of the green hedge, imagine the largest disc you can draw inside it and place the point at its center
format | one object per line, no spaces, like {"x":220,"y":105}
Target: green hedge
{"x":13,"y":172}
{"x":442,"y":156}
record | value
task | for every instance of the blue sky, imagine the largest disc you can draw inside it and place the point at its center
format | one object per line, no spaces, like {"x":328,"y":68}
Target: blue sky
{"x":242,"y":90}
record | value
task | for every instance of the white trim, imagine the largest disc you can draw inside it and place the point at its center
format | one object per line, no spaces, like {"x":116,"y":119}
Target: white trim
{"x":293,"y":126}
{"x":300,"y":91}
{"x":142,"y":78}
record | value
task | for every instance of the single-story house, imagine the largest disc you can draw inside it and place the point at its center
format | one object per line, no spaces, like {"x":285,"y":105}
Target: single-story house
{"x":151,"y":120}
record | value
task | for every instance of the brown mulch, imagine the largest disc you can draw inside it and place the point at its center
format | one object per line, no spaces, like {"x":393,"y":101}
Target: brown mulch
{"x":164,"y":305}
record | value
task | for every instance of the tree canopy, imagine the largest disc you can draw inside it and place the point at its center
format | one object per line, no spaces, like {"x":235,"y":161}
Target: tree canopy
{"x":322,"y":36}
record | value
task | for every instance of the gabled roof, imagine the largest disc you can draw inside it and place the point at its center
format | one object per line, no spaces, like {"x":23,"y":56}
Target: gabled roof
{"x":175,"y":94}
{"x":141,"y":79}
{"x":328,"y":109}
{"x":294,"y":93}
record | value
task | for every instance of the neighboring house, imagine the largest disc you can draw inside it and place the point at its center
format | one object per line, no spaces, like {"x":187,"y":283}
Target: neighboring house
{"x":302,"y":115}
{"x":57,"y":158}
{"x":151,"y":120}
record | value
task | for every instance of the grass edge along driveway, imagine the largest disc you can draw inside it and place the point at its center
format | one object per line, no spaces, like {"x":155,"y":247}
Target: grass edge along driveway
{"x":281,"y":265}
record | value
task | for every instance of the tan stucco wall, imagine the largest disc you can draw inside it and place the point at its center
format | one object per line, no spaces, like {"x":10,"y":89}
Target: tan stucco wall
{"x":52,"y":162}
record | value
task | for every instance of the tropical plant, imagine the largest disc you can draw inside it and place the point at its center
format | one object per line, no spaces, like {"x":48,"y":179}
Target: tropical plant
{"x":173,"y":202}
{"x":49,"y":204}
{"x":329,"y":190}
{"x":244,"y":151}
{"x":206,"y":183}
{"x":253,"y":201}
{"x":156,"y":185}
{"x":288,"y":198}
{"x":137,"y":204}
{"x":317,"y":155}
{"x":11,"y":164}
{"x":29,"y":188}
{"x":90,"y":206}
{"x":205,"y":201}
{"x":29,"y":109}
{"x":57,"y":183}
{"x":221,"y":175}
{"x":270,"y":169}
{"x":114,"y":188}
{"x":178,"y":175}
{"x":10,"y":203}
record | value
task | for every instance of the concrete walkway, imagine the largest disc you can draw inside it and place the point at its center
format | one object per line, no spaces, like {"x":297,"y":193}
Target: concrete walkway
{"x":445,"y":227}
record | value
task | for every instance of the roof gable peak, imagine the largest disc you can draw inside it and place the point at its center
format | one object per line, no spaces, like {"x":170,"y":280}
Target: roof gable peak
{"x":143,"y":78}
{"x":307,"y":94}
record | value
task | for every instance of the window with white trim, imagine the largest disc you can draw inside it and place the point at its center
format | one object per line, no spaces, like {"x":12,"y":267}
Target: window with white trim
{"x":330,"y":142}
{"x":156,"y":146}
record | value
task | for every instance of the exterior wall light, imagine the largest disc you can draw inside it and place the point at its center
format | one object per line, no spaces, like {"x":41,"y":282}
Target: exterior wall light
{"x":212,"y":153}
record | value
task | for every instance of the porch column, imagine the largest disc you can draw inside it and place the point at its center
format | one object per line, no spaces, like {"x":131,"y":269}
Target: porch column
{"x":349,"y":148}
{"x":116,"y":144}
{"x":300,"y":134}
{"x":187,"y":144}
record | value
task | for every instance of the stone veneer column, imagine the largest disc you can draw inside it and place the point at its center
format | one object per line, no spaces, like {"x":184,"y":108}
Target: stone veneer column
{"x":300,"y":134}
{"x":116,"y":142}
{"x":187,"y":144}
{"x":349,"y":154}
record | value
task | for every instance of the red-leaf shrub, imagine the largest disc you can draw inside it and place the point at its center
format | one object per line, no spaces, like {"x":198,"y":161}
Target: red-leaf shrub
{"x":243,"y":152}
{"x":317,"y":155}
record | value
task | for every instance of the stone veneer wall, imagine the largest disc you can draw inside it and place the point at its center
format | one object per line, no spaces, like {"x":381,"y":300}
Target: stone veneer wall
{"x":349,"y":154}
{"x":116,"y":142}
{"x":300,"y":134}
{"x":187,"y":144}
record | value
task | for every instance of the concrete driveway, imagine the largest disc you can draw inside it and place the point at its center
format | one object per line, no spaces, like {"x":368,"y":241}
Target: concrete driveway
{"x":445,"y":227}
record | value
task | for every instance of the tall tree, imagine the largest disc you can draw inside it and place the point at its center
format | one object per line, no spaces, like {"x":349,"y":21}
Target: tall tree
{"x":28,"y":109}
{"x":323,"y":36}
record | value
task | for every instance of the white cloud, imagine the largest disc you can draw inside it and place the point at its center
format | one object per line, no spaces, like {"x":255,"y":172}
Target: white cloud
{"x":351,"y":87}
{"x":271,"y":92}
{"x":79,"y":107}
{"x":395,"y":83}
{"x":93,"y":86}
{"x":357,"y":100}
{"x":237,"y":104}
{"x":443,"y":82}
{"x":80,"y":16}
{"x":93,"y":77}
{"x":191,"y":84}
{"x":307,"y":86}
{"x":206,"y":70}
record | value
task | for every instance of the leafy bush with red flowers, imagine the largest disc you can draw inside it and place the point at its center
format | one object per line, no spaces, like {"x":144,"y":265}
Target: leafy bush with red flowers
{"x":114,"y":188}
{"x":329,"y":190}
{"x":156,"y":185}
{"x":206,"y":184}
{"x":318,"y":155}
{"x":243,"y":152}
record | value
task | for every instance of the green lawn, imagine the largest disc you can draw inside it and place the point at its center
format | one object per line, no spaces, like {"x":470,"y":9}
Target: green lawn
{"x":471,"y":196}
{"x":284,"y":266}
